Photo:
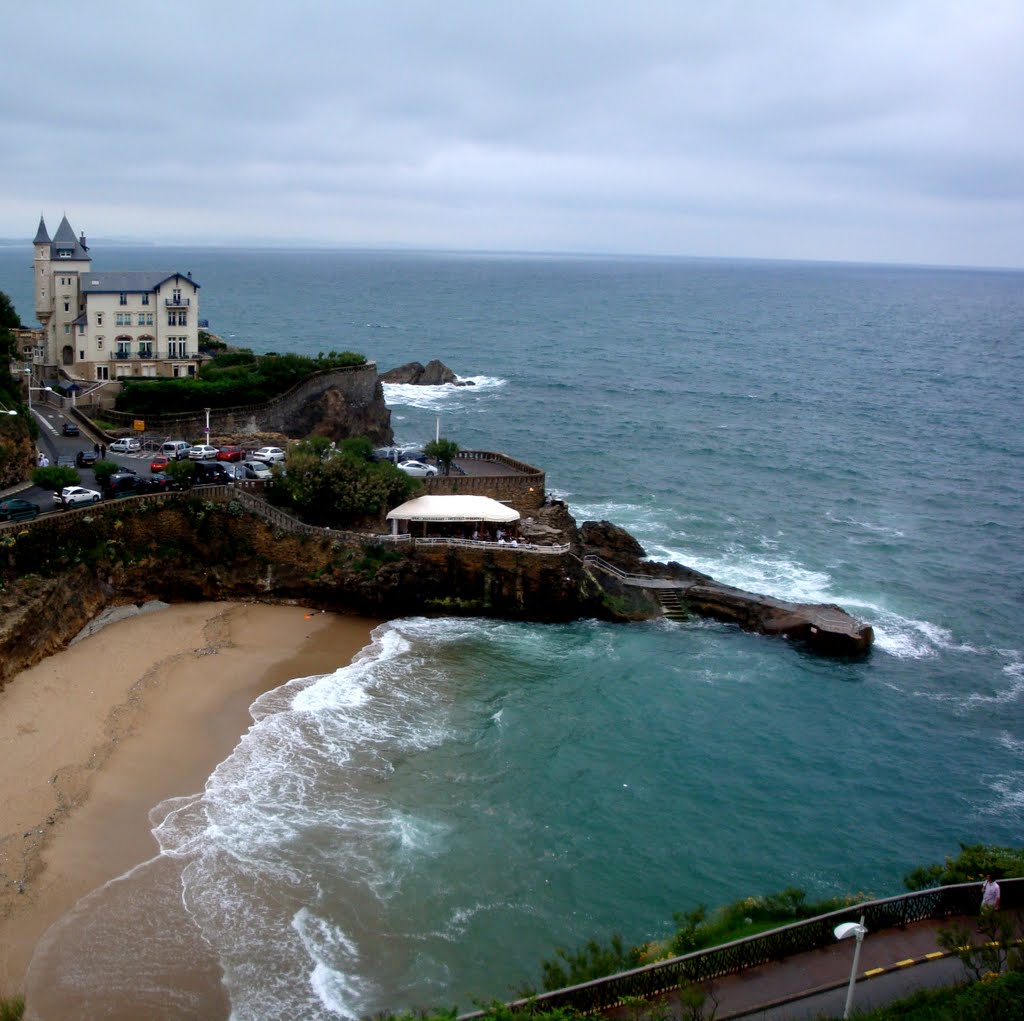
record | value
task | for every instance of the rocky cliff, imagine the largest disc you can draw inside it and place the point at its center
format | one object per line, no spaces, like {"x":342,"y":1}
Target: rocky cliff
{"x":62,"y":571}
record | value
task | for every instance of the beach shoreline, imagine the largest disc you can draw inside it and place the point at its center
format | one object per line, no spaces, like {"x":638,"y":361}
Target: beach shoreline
{"x":97,"y":735}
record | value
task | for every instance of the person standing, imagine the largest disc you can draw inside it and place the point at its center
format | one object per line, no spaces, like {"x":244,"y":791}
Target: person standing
{"x":990,"y":894}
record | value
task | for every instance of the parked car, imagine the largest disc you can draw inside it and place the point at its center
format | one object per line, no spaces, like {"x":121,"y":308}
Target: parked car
{"x":160,"y":482}
{"x":86,"y":458}
{"x":202,"y":452}
{"x":72,"y":496}
{"x":125,"y":446}
{"x":176,"y":450}
{"x":268,"y":454}
{"x":66,"y":461}
{"x":417,"y":469}
{"x":230,"y":454}
{"x":257,"y":470}
{"x":404,"y":452}
{"x":123,"y":484}
{"x":213,"y":473}
{"x":159,"y":463}
{"x":16,"y":509}
{"x":69,"y":429}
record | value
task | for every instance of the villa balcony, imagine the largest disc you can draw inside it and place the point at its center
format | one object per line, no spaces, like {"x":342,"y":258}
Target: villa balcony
{"x":177,"y":302}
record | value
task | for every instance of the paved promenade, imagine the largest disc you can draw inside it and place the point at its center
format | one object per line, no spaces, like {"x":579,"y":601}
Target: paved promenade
{"x":791,"y":989}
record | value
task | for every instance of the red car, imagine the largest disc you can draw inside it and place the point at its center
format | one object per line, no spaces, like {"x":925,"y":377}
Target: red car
{"x":159,"y":463}
{"x":230,"y":454}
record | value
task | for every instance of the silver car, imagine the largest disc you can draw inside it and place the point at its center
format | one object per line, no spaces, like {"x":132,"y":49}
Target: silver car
{"x":417,"y":469}
{"x":72,"y":496}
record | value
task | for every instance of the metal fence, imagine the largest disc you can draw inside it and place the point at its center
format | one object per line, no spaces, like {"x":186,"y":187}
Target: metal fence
{"x":812,"y":934}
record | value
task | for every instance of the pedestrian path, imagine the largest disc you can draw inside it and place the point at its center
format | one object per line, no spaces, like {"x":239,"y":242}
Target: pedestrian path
{"x":751,"y":992}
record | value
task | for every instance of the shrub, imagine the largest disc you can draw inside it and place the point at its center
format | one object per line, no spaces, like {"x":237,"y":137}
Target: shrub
{"x":974,"y":862}
{"x":55,"y":478}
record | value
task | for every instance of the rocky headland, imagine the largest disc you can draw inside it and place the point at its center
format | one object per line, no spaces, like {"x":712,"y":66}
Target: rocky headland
{"x":63,"y":571}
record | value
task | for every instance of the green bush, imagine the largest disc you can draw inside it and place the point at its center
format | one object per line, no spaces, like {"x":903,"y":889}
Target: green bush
{"x":230,"y":380}
{"x":974,"y":862}
{"x":590,"y":961}
{"x":55,"y":478}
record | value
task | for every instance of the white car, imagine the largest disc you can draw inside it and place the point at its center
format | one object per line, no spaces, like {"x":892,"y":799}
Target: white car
{"x":417,"y":469}
{"x":257,"y":470}
{"x":72,"y":496}
{"x":268,"y":454}
{"x":125,"y":446}
{"x":202,"y":452}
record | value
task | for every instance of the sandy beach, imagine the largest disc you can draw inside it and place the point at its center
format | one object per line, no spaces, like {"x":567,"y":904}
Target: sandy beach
{"x":140,"y":711}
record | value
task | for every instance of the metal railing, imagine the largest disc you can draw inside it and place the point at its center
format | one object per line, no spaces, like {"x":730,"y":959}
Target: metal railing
{"x":529,"y":547}
{"x":813,"y":934}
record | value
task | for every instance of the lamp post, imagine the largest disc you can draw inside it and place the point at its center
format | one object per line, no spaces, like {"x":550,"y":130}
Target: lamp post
{"x":207,"y":410}
{"x":842,"y":932}
{"x":44,"y":389}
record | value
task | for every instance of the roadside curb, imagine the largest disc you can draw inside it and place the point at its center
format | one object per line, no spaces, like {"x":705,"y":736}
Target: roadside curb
{"x":828,"y":987}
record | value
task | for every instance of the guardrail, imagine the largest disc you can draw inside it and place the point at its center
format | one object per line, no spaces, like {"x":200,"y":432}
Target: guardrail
{"x":592,"y":560}
{"x":482,"y":544}
{"x":800,"y":937}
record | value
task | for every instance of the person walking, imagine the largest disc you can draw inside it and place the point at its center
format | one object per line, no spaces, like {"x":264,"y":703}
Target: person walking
{"x":990,"y":894}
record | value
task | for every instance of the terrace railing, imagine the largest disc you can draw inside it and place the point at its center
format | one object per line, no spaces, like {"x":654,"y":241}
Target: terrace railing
{"x":813,"y":934}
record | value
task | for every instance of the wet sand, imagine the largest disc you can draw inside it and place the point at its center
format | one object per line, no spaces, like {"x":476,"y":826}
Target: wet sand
{"x":143,"y":710}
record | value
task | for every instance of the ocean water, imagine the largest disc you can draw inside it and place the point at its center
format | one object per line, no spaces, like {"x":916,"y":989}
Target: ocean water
{"x":422,"y":826}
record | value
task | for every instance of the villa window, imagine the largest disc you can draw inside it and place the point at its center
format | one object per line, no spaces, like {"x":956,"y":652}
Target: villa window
{"x":99,"y":343}
{"x":67,"y":327}
{"x":123,"y":299}
{"x":99,"y":318}
{"x":145,"y":299}
{"x":67,"y":306}
{"x":176,"y":296}
{"x":145,"y":349}
{"x":102,"y":373}
{"x":182,"y":318}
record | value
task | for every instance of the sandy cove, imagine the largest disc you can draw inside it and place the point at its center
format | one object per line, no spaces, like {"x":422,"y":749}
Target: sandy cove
{"x":97,"y":735}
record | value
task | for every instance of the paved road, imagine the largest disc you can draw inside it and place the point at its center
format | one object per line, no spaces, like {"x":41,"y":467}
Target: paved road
{"x":50,"y":421}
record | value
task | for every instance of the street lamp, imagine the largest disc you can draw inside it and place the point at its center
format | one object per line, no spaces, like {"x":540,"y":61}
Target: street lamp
{"x":45,"y":389}
{"x":842,"y":932}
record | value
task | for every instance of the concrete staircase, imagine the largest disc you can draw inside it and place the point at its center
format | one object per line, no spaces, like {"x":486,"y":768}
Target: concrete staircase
{"x":671,"y":605}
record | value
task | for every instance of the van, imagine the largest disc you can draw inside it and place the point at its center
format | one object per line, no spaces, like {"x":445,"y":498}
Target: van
{"x":176,"y":450}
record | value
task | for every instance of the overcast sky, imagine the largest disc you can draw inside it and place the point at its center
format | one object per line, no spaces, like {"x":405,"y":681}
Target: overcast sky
{"x":875,"y":130}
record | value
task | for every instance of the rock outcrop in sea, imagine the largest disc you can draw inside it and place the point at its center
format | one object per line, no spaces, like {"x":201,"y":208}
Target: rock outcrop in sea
{"x":434,"y":373}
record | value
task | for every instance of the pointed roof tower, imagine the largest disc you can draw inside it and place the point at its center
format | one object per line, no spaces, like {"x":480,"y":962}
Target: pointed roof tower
{"x":67,"y":246}
{"x":42,"y":238}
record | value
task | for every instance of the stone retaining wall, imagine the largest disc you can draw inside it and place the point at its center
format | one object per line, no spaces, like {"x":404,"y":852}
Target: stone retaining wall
{"x":358,"y":384}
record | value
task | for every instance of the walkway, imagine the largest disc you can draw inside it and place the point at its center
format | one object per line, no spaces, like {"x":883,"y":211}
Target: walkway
{"x":790,"y":989}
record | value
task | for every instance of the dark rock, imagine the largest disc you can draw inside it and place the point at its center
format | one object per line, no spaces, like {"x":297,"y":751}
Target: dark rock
{"x":612,"y":543}
{"x":434,"y":373}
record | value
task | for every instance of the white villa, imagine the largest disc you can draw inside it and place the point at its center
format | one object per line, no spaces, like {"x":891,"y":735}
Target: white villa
{"x":105,"y":326}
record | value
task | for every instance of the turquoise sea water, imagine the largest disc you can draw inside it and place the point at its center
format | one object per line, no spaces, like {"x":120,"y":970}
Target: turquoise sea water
{"x":423,"y":826}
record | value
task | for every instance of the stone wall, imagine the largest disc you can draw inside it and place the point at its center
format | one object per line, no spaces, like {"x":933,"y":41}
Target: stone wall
{"x":523,"y":492}
{"x":296,"y":413}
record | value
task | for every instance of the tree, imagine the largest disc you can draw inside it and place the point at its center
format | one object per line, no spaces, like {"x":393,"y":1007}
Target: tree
{"x":9,"y":319}
{"x":444,"y":450}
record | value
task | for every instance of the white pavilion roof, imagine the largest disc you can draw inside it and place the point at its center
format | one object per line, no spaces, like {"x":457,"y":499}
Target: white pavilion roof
{"x":453,"y":508}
